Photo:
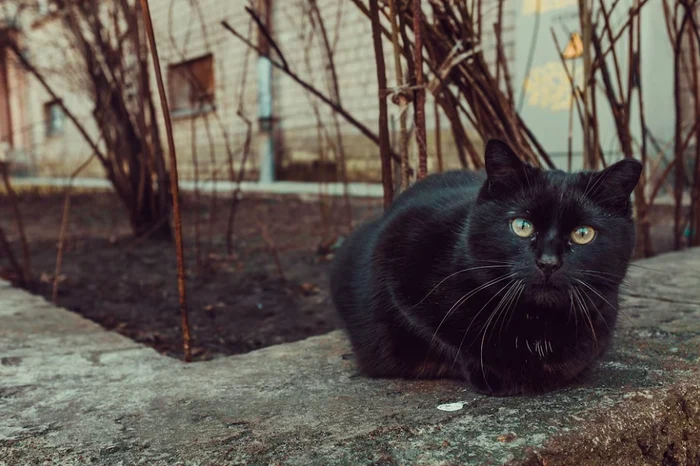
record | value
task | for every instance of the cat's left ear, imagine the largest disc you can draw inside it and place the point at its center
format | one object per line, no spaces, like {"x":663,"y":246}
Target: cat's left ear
{"x":614,"y":185}
{"x":503,"y":168}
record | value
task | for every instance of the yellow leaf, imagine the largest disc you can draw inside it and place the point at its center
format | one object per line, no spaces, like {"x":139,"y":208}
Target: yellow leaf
{"x":574,"y":49}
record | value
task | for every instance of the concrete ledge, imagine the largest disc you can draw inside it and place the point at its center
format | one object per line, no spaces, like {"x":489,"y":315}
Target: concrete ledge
{"x":72,"y":393}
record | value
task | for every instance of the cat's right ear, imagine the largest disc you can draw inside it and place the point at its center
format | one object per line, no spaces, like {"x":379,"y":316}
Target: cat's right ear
{"x":613,"y":186}
{"x":503,"y":168}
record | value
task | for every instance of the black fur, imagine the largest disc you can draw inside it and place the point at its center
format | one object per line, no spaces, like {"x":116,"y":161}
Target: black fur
{"x":396,"y":279}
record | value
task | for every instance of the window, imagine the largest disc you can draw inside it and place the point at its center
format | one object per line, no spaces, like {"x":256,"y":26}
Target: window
{"x":191,"y":86}
{"x":54,"y":118}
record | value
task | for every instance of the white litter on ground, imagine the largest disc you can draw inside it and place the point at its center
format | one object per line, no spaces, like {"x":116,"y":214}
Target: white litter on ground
{"x":452,"y":406}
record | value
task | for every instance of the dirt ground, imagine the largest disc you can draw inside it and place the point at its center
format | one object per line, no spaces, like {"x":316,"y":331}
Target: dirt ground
{"x":237,"y":302}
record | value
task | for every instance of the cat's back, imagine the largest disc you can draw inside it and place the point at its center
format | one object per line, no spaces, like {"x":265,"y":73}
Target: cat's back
{"x":435,"y":194}
{"x":440,"y":190}
{"x":414,"y":236}
{"x":436,"y":201}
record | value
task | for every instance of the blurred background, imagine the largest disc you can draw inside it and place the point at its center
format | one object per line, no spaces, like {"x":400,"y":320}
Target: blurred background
{"x":293,"y":122}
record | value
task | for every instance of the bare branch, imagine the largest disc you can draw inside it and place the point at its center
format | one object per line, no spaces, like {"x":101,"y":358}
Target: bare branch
{"x":419,"y":101}
{"x":387,"y":180}
{"x":311,"y":89}
{"x":26,"y":256}
{"x":174,"y":186}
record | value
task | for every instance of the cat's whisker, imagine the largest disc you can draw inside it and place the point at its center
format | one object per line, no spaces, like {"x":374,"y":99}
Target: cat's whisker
{"x":586,"y":314}
{"x":496,"y":262}
{"x":597,"y":293}
{"x":572,"y":306}
{"x":475,"y":317}
{"x":517,"y":299}
{"x":593,"y":188}
{"x":469,"y":269}
{"x":608,"y":281}
{"x":582,"y":308}
{"x":646,"y":268}
{"x":608,"y":199}
{"x":585,"y":191}
{"x":464,"y":299}
{"x":511,"y":305}
{"x":493,"y":315}
{"x":616,"y":278}
{"x":504,"y":304}
{"x":599,"y":272}
{"x":600,"y":314}
{"x":620,"y":310}
{"x":574,"y":311}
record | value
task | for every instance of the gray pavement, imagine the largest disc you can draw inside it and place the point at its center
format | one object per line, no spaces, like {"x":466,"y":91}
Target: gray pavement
{"x":73,"y":393}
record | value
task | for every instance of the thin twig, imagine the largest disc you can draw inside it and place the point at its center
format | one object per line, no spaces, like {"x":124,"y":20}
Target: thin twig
{"x":384,"y":149}
{"x":5,"y":246}
{"x":634,"y":80}
{"x":678,"y":152}
{"x":239,"y":180}
{"x":311,"y":89}
{"x":694,"y":236}
{"x":419,"y":101}
{"x":585,"y":17}
{"x":197,"y":194}
{"x":174,"y":186}
{"x":335,"y":93}
{"x":55,"y":98}
{"x":502,"y":60}
{"x":262,"y":28}
{"x":438,"y":138}
{"x":272,"y":246}
{"x":213,"y":208}
{"x":402,"y":98}
{"x":246,"y":150}
{"x":26,"y":256}
{"x":64,"y":228}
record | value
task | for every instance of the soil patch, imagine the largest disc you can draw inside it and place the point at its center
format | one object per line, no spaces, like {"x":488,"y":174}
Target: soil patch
{"x":237,"y":302}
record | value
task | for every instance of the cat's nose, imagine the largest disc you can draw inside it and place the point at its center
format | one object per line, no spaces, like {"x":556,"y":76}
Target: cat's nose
{"x":548,"y":264}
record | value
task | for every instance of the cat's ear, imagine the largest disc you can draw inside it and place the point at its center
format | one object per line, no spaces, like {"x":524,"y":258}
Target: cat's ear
{"x":614,"y":185}
{"x":503,"y":168}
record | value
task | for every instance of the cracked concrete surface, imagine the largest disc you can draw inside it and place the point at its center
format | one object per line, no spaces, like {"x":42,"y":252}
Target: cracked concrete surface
{"x":72,"y":393}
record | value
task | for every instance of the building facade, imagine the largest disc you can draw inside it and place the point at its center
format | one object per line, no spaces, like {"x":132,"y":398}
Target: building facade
{"x":216,"y":83}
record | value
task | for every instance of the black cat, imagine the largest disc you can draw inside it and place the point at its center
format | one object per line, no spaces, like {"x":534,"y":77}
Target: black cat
{"x":507,"y":278}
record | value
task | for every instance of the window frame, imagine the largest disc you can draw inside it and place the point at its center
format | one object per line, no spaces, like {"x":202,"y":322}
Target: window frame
{"x":177,"y":74}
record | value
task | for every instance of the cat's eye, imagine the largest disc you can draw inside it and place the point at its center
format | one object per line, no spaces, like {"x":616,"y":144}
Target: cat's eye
{"x":583,"y":235}
{"x":522,"y":227}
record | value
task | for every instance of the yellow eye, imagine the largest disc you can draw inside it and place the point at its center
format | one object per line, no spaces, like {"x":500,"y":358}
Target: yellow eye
{"x":522,"y":227}
{"x":583,"y":235}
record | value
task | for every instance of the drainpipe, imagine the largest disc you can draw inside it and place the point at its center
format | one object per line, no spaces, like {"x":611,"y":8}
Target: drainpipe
{"x":266,"y":147}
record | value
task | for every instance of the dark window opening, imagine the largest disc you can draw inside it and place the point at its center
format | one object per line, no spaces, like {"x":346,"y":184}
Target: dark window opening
{"x":54,"y":118}
{"x":191,"y":86}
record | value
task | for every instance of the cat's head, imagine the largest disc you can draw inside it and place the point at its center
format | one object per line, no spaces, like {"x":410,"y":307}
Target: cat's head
{"x":557,"y":231}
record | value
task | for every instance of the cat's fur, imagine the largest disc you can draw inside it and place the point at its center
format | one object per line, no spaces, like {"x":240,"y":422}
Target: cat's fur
{"x":397,"y":281}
